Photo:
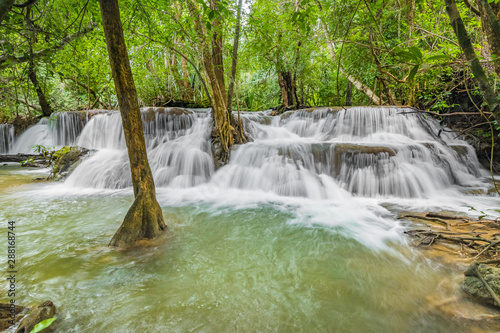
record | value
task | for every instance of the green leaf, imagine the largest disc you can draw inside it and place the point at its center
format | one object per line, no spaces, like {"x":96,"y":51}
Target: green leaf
{"x":413,"y":72}
{"x":439,"y":57}
{"x":43,"y":325}
{"x":211,"y":14}
{"x":416,"y":51}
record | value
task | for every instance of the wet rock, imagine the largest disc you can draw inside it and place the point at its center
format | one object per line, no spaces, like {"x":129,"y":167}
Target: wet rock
{"x":347,"y":151}
{"x":476,"y":289}
{"x":44,"y":311}
{"x":66,"y":160}
{"x":7,"y":313}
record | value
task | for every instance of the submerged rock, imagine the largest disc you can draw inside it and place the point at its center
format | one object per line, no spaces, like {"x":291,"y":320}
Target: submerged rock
{"x":46,"y":310}
{"x":476,"y":288}
{"x":66,"y":160}
{"x":7,"y":313}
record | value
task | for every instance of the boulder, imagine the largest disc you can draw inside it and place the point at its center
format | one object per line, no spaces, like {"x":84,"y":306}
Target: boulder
{"x":44,"y":311}
{"x":475,"y":287}
{"x":6,"y":313}
{"x":66,"y":159}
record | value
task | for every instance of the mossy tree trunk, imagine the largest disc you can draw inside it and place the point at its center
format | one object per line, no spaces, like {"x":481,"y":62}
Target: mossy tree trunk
{"x":466,"y":45}
{"x":210,"y":48}
{"x":234,"y":62}
{"x":490,"y":15}
{"x":144,"y":219}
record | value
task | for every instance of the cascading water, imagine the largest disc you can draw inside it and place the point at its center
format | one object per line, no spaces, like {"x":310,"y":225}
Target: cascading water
{"x":6,"y":138}
{"x":178,"y":149}
{"x":318,"y":154}
{"x":61,"y":129}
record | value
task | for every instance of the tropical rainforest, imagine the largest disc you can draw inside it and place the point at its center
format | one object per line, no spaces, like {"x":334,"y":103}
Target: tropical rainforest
{"x":250,"y":165}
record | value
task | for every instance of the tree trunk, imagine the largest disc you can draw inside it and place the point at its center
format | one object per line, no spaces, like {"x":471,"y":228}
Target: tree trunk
{"x":42,"y":100}
{"x":218,"y":61}
{"x":215,"y":74}
{"x":288,"y":89}
{"x":235,"y":58}
{"x":188,"y":90}
{"x":348,"y":94}
{"x":468,"y":49}
{"x":144,"y":219}
{"x":490,"y":14}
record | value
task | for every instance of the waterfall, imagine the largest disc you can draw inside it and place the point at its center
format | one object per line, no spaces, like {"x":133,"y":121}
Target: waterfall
{"x":324,"y":153}
{"x":177,"y":140}
{"x":61,"y":129}
{"x":6,"y":138}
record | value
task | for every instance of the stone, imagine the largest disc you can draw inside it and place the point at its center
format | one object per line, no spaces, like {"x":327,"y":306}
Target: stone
{"x":475,"y":288}
{"x":5,"y":314}
{"x":44,"y":311}
{"x":66,"y":160}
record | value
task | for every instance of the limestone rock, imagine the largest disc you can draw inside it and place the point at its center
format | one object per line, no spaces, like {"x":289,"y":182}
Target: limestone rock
{"x":66,"y":160}
{"x":475,"y":288}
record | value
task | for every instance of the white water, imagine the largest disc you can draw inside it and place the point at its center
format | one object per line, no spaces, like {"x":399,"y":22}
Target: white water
{"x":6,"y":138}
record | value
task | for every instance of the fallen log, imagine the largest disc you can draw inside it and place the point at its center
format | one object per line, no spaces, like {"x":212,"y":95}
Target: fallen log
{"x":20,"y":157}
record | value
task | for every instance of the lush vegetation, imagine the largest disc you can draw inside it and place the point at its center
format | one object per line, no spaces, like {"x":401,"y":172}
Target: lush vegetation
{"x":311,"y":52}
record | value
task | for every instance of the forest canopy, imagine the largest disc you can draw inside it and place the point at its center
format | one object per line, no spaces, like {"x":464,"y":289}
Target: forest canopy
{"x":53,"y":53}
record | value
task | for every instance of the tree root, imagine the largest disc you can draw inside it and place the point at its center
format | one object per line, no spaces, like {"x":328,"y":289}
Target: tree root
{"x":478,"y":237}
{"x":144,"y":220}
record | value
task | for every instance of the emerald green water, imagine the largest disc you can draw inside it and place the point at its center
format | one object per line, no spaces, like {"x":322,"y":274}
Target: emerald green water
{"x":219,"y":269}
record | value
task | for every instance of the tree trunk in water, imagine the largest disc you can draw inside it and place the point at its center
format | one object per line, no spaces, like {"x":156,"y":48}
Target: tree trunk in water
{"x":144,"y":220}
{"x":490,"y":14}
{"x":466,"y":45}
{"x":288,"y":89}
{"x":218,"y":61}
{"x":235,"y":58}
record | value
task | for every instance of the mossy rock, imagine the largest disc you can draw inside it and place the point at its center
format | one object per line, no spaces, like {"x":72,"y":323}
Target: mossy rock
{"x":475,"y":288}
{"x":66,"y":160}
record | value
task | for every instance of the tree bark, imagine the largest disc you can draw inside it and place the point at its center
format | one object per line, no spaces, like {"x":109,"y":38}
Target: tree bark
{"x":222,"y":117}
{"x":348,"y":94}
{"x":489,"y":22}
{"x":42,"y":100}
{"x":466,"y":45}
{"x":188,"y":90}
{"x":144,"y":220}
{"x":288,"y":89}
{"x":230,"y":89}
{"x":217,"y":58}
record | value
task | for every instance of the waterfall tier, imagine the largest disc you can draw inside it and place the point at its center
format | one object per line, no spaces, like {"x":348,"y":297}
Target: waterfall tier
{"x":321,"y":154}
{"x":6,"y":138}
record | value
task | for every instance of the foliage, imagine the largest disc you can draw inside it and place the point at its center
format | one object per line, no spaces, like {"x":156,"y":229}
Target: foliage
{"x":407,"y":55}
{"x":43,"y":325}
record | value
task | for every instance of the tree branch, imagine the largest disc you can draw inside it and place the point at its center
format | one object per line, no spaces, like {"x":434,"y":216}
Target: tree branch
{"x":8,"y":60}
